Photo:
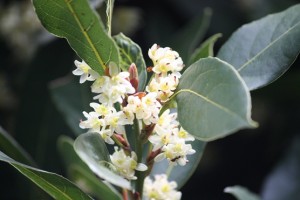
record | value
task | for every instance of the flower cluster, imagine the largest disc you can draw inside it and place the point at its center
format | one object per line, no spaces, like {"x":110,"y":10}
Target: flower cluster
{"x":171,"y":139}
{"x":144,"y":108}
{"x":160,"y":188}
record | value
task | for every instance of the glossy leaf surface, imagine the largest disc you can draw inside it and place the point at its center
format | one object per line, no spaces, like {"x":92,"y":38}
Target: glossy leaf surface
{"x":263,"y":50}
{"x":131,"y":53}
{"x":55,"y":185}
{"x":213,"y":101}
{"x":92,"y":150}
{"x":81,"y":26}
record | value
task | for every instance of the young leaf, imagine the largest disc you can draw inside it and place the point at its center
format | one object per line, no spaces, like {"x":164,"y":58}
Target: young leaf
{"x":213,"y":101}
{"x":81,"y":26}
{"x":10,"y":146}
{"x":79,"y":172}
{"x":92,"y":150}
{"x":55,"y":185}
{"x":205,"y":50}
{"x":131,"y":53}
{"x":177,"y":172}
{"x":241,"y":193}
{"x":264,"y":49}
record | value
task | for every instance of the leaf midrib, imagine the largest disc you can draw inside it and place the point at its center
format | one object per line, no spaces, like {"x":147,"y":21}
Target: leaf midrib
{"x":211,"y":102}
{"x":85,"y":33}
{"x":266,"y":48}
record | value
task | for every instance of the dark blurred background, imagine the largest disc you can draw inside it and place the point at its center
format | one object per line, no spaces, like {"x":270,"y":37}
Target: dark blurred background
{"x":31,"y":59}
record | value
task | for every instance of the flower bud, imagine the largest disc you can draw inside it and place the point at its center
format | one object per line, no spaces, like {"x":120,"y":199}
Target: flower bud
{"x":133,"y":76}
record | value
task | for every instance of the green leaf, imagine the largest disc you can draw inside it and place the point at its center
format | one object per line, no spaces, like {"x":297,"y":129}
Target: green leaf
{"x":205,"y":49}
{"x":81,"y":26}
{"x":241,"y":193}
{"x":79,"y":173}
{"x":92,"y":150}
{"x":131,"y":53}
{"x":10,"y":146}
{"x":71,"y":98}
{"x":177,"y":172}
{"x":213,"y":101}
{"x":263,"y":50}
{"x":55,"y":185}
{"x":92,"y":185}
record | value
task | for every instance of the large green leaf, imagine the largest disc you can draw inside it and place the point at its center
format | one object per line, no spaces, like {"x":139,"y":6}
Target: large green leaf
{"x":81,"y":26}
{"x":71,"y":98}
{"x":55,"y":185}
{"x":213,"y":101}
{"x":264,"y":49}
{"x":79,"y":173}
{"x":241,"y":193}
{"x":205,"y":49}
{"x":10,"y":146}
{"x":131,"y":53}
{"x":92,"y":150}
{"x":181,"y":174}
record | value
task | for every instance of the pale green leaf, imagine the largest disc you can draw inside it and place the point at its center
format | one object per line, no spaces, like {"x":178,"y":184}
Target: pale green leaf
{"x":263,"y":50}
{"x":92,"y":150}
{"x":213,"y":100}
{"x":241,"y":193}
{"x":206,"y":49}
{"x":79,"y":173}
{"x":131,"y":53}
{"x":55,"y":185}
{"x":176,"y":173}
{"x":81,"y":26}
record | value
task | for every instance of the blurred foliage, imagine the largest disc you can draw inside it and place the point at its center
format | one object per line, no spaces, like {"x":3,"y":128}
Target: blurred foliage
{"x":31,"y":63}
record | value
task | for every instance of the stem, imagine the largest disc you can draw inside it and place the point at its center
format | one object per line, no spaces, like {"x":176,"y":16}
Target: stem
{"x":139,"y":184}
{"x":125,"y":194}
{"x":169,"y":169}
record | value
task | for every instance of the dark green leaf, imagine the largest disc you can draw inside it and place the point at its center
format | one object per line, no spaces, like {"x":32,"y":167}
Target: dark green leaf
{"x":264,"y":49}
{"x":10,"y":146}
{"x":241,"y":193}
{"x":93,"y":185}
{"x":206,"y":49}
{"x":55,"y":185}
{"x":181,"y":174}
{"x":213,"y":101}
{"x":81,"y":26}
{"x":71,"y":99}
{"x":131,"y":53}
{"x":92,"y":150}
{"x":80,"y":174}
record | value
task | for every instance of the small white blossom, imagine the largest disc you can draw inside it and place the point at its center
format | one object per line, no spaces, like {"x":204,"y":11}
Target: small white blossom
{"x":165,"y":60}
{"x":126,"y":165}
{"x":113,"y":88}
{"x":183,"y":134}
{"x":145,"y":108}
{"x":160,"y":189}
{"x":93,"y":123}
{"x":176,"y":152}
{"x":85,"y":72}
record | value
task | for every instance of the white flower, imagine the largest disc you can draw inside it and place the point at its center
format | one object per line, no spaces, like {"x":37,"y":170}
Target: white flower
{"x":176,"y":152}
{"x":164,"y":86}
{"x":112,"y":89}
{"x":126,"y":165}
{"x":165,"y":60}
{"x":85,"y":72}
{"x":93,"y":123}
{"x":160,"y":189}
{"x":145,"y":108}
{"x":183,"y":134}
